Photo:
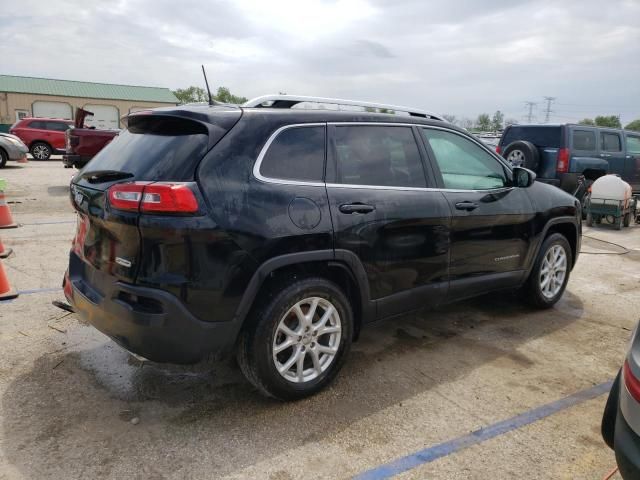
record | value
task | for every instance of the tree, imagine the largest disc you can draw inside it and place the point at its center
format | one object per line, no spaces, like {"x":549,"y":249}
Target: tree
{"x":635,"y":125}
{"x":483,"y":123}
{"x":466,"y":123}
{"x":449,"y":118}
{"x":497,"y":120}
{"x":611,"y":121}
{"x":225,"y":96}
{"x":195,"y":94}
{"x":191,"y":95}
{"x":586,"y":121}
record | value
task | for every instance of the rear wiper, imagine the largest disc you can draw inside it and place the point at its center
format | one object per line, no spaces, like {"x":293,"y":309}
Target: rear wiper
{"x":100,"y":176}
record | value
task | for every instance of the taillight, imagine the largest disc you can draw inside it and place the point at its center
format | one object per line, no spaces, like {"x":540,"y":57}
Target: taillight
{"x":631,"y":382}
{"x":498,"y":149}
{"x":563,"y":161}
{"x":153,"y":197}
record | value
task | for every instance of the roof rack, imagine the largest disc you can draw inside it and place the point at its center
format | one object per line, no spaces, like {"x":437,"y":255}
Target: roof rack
{"x":288,"y":101}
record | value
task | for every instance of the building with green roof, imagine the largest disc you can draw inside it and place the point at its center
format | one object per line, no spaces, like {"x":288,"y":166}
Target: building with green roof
{"x":50,"y":98}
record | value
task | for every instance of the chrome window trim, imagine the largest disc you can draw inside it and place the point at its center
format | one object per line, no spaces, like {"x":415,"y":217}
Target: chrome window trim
{"x":279,"y":181}
{"x":265,"y":148}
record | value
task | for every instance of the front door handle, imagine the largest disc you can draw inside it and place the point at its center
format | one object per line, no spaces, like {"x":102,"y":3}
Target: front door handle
{"x":351,"y":208}
{"x":468,"y":206}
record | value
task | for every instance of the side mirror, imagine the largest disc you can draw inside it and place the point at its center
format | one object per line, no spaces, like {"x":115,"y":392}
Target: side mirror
{"x":523,"y":177}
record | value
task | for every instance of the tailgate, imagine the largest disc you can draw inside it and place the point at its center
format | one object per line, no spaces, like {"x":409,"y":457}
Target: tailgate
{"x":108,"y":240}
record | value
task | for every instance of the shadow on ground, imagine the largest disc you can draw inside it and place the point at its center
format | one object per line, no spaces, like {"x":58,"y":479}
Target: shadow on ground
{"x":69,"y":416}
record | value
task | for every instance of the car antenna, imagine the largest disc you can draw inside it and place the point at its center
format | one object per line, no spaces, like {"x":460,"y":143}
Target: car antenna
{"x":207,"y":84}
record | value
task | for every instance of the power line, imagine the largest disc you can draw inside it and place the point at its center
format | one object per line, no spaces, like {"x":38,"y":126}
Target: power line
{"x":531,"y":106}
{"x":548,"y":110}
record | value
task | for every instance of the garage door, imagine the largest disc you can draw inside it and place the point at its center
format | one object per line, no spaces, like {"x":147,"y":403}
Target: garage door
{"x":104,"y":117}
{"x":52,"y":110}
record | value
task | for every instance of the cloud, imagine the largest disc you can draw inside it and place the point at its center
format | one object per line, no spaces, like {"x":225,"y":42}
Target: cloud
{"x":462,"y":57}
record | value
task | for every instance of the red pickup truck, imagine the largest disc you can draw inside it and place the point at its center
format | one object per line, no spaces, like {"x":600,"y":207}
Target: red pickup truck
{"x":83,"y":143}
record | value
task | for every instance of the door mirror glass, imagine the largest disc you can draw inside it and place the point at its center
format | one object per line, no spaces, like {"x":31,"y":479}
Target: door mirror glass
{"x":523,"y":177}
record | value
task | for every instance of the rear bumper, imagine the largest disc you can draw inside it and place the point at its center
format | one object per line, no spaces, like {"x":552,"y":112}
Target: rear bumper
{"x":77,"y":161}
{"x":627,"y":448}
{"x":146,"y":321}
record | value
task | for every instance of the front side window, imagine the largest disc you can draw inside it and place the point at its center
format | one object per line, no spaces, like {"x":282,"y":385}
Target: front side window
{"x":297,"y":153}
{"x":584,"y":140}
{"x":374,"y":155}
{"x":38,"y":125}
{"x":633,"y":144}
{"x":463,"y":164}
{"x":611,"y":142}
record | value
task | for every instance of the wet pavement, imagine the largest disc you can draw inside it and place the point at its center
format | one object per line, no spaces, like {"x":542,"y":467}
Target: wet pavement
{"x":75,"y":405}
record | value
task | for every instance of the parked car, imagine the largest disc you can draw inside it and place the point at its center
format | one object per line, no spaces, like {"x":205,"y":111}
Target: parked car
{"x":621,"y":419}
{"x":43,"y":136}
{"x":82,"y":143}
{"x":278,"y":233}
{"x":11,"y":148}
{"x":560,"y":154}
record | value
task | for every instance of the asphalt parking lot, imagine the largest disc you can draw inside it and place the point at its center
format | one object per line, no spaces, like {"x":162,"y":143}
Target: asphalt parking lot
{"x":429,"y":392}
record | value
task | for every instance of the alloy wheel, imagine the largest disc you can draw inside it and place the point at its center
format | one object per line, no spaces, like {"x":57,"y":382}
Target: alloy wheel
{"x":553,"y":271}
{"x":516,"y":158}
{"x":307,"y":340}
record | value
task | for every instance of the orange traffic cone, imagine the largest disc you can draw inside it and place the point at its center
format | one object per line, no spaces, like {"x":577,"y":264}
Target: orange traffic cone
{"x":6,"y":220}
{"x":4,"y":251}
{"x":6,"y":292}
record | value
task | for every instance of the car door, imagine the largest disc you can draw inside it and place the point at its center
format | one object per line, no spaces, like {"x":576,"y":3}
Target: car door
{"x":632,"y":160}
{"x":385,"y":213}
{"x":492,"y":220}
{"x":612,"y":151}
{"x":56,"y":134}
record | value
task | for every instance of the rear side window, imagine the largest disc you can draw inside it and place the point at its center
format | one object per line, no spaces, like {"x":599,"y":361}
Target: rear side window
{"x":297,"y":153}
{"x":463,"y":164}
{"x":379,"y":156}
{"x":611,"y":142}
{"x":57,"y":126}
{"x":38,"y":124}
{"x":633,"y":144}
{"x":584,"y":140}
{"x":155,"y":148}
{"x":550,"y":137}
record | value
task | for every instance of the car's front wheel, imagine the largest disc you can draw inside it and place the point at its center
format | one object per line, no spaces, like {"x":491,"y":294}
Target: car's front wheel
{"x":40,"y":151}
{"x":297,"y":340}
{"x":550,"y":273}
{"x":3,"y":158}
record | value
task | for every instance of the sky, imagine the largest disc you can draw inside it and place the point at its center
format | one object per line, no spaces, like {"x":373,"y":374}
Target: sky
{"x":461,"y":57}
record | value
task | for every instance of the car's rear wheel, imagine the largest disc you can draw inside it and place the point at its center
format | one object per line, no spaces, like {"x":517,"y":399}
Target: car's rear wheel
{"x":3,"y":158}
{"x":296,"y":341}
{"x":40,"y":151}
{"x":550,"y":273}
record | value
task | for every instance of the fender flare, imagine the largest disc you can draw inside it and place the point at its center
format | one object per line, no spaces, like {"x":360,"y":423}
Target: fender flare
{"x":554,"y":221}
{"x":344,"y":259}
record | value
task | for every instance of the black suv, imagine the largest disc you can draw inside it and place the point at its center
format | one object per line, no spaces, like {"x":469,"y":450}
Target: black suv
{"x":561,"y":154}
{"x":277,"y":233}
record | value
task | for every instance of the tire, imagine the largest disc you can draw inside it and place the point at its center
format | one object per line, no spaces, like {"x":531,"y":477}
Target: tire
{"x":608,"y":425}
{"x":618,"y":223}
{"x":40,"y":150}
{"x":522,"y":154}
{"x":263,"y":332}
{"x":3,"y":158}
{"x":589,"y":220}
{"x":627,"y":219}
{"x":533,"y":288}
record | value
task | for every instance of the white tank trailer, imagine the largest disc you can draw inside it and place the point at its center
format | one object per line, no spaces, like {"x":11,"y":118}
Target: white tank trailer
{"x":611,"y":199}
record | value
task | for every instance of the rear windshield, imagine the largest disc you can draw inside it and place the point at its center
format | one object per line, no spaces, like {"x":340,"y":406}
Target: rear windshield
{"x":550,"y":137}
{"x":155,"y":148}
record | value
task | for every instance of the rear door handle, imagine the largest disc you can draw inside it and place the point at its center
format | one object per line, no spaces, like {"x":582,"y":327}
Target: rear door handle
{"x":351,"y":208}
{"x":468,"y":206}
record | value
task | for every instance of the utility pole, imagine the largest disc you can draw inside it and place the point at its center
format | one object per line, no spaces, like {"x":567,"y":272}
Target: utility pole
{"x":548,"y":110}
{"x":531,"y":106}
